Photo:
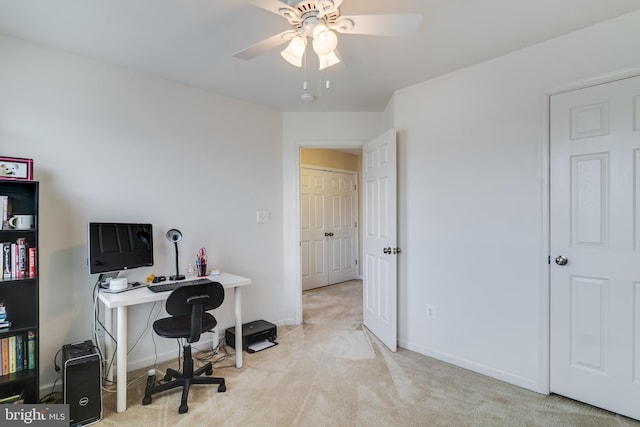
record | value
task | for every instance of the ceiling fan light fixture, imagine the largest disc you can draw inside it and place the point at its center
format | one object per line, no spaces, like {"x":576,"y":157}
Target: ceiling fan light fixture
{"x":325,"y":41}
{"x":295,"y":51}
{"x":328,"y":60}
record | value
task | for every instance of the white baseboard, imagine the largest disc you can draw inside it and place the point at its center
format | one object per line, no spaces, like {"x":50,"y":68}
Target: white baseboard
{"x":507,"y":377}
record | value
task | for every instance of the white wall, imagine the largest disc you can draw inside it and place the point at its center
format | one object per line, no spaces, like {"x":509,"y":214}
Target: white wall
{"x":113,"y":145}
{"x":471,"y":189}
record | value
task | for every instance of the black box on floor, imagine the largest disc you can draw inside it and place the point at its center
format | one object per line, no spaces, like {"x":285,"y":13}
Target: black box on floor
{"x":252,"y":332}
{"x":81,"y":383}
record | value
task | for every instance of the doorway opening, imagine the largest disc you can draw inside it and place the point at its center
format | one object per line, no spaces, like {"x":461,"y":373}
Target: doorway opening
{"x":330,"y":217}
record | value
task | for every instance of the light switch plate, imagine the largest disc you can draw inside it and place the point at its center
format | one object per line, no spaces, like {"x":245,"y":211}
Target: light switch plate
{"x":263,"y":216}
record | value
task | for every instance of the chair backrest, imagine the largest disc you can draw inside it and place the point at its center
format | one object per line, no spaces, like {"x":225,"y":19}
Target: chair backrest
{"x":177,"y":304}
{"x":194,"y":300}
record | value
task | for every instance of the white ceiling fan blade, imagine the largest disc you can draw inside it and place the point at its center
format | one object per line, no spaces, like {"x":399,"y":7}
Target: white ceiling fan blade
{"x":379,"y":25}
{"x":274,"y":6}
{"x":265,"y":45}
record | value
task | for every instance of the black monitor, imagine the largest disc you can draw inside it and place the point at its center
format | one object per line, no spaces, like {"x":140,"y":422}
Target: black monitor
{"x":119,"y":246}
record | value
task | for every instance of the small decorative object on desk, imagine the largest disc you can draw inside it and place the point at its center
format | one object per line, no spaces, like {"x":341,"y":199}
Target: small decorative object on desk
{"x":16,"y":169}
{"x":201,"y":262}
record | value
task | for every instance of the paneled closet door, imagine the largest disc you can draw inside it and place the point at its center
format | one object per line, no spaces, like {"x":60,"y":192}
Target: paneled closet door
{"x":328,"y":241}
{"x":343,"y":216}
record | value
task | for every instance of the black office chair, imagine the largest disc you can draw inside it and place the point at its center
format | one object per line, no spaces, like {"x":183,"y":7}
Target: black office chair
{"x":188,"y":307}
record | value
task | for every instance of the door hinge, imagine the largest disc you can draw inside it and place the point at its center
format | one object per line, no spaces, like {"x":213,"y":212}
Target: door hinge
{"x":356,"y":262}
{"x":356,"y":224}
{"x":549,"y":260}
{"x":355,"y":187}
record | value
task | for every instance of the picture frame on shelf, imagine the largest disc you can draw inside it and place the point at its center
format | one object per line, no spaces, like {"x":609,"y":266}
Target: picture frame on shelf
{"x":16,"y":169}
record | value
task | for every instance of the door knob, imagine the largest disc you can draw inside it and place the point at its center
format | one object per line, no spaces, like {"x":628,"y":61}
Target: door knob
{"x":396,"y":251}
{"x":387,"y":250}
{"x":327,"y":234}
{"x":562,"y":260}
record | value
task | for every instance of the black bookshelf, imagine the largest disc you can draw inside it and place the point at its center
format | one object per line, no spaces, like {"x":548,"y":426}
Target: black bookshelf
{"x":19,"y":293}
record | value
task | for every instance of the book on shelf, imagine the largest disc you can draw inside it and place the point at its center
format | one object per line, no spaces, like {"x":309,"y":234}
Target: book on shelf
{"x":6,"y":260}
{"x":21,"y":255}
{"x":32,"y":262}
{"x":4,"y":344}
{"x":13,"y":397}
{"x":25,"y":353}
{"x":14,"y":260}
{"x":31,"y":350}
{"x":12,"y":354}
{"x":4,"y":213}
{"x":19,"y":352}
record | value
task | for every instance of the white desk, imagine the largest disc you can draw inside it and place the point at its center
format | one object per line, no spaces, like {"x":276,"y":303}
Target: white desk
{"x":120,"y":302}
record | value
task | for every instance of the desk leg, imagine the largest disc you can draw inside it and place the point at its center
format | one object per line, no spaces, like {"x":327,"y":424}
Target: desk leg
{"x":238,"y":312}
{"x":108,"y":343}
{"x":121,"y":389}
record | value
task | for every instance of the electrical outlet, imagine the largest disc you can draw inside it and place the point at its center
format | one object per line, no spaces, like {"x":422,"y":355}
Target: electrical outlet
{"x":99,"y":332}
{"x":431,"y":311}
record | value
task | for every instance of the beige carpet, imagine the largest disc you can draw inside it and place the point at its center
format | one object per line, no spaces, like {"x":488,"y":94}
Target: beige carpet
{"x":332,"y":372}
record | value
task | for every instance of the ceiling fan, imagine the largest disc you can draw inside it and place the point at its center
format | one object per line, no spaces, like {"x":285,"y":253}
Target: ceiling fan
{"x":319,"y":20}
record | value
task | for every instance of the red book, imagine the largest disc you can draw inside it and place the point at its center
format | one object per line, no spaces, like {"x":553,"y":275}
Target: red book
{"x":14,"y":260}
{"x":32,"y":262}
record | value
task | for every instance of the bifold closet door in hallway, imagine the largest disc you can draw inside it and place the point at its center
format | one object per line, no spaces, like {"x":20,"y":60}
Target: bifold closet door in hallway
{"x":328,"y":235}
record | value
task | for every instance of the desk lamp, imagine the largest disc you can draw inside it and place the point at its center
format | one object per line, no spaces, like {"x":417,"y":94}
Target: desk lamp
{"x":175,"y":236}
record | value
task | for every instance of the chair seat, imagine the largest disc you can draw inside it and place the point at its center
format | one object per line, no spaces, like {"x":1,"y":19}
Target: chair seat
{"x":180,"y":326}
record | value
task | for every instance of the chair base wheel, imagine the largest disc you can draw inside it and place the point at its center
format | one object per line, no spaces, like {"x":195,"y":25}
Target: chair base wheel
{"x":146,"y":400}
{"x":183,"y":409}
{"x":222,"y":388}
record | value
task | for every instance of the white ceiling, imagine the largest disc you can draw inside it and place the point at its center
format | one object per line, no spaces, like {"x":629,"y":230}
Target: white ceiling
{"x":192,"y":41}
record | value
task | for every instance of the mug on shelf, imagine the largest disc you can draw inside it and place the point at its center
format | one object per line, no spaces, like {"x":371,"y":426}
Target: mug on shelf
{"x":22,"y":222}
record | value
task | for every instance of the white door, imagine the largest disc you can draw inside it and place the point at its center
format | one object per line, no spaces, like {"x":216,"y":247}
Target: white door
{"x":379,"y":238}
{"x":329,"y":250}
{"x":313,"y":226}
{"x":595,"y":227}
{"x":342,"y":225}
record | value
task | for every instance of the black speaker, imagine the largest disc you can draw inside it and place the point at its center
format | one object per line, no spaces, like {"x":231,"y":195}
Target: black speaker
{"x":81,"y":387}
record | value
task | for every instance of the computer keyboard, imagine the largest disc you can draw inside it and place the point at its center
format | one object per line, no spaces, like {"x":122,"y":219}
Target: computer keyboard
{"x":165,"y":287}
